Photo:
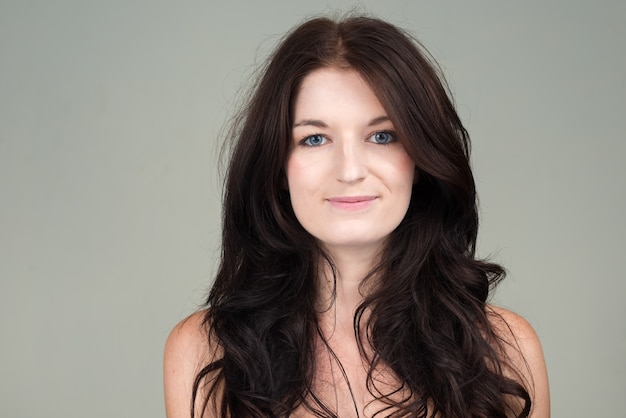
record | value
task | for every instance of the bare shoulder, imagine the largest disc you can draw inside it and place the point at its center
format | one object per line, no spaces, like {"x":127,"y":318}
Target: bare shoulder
{"x":187,"y":350}
{"x":523,"y":349}
{"x":513,"y":328}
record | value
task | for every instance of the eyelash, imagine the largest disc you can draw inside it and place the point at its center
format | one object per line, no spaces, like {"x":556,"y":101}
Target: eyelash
{"x":392,"y":134}
{"x":304,"y":141}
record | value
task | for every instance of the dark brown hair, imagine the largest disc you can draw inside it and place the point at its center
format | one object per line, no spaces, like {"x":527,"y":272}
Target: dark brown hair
{"x":426,"y":318}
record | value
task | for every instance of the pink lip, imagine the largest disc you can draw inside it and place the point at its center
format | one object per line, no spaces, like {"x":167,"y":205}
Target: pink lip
{"x":351,"y":203}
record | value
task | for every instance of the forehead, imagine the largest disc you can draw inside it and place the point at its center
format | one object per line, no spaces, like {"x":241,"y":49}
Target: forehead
{"x":333,"y":93}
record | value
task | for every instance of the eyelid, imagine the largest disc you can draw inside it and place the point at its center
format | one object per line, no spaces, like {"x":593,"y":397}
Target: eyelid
{"x":390,"y":132}
{"x":304,"y":139}
{"x":369,"y":138}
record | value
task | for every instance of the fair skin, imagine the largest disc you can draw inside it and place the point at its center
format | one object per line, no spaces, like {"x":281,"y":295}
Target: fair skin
{"x":350,"y":184}
{"x":349,"y":177}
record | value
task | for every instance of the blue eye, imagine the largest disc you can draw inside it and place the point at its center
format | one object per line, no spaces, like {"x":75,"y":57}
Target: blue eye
{"x":314,"y":140}
{"x":382,"y":137}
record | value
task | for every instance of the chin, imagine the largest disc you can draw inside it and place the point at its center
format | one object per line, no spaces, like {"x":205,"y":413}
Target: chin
{"x":355,"y":244}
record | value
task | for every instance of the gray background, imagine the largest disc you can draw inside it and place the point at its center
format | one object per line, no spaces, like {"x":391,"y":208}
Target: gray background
{"x":110,"y":114}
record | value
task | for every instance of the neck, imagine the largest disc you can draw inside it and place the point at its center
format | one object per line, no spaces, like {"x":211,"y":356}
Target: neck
{"x":352,"y":266}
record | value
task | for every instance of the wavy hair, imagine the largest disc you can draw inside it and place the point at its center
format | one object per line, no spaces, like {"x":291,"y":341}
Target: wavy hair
{"x":426,"y":319}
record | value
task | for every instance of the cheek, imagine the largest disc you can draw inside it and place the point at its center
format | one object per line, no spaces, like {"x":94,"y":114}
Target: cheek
{"x":405,"y":169}
{"x":293,"y":172}
{"x":306,"y":172}
{"x":299,"y":181}
{"x":299,"y":191}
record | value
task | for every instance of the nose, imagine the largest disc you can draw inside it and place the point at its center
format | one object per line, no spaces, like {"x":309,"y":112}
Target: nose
{"x":351,"y":166}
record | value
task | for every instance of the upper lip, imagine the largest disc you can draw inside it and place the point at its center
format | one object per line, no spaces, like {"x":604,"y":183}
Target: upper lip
{"x":350,"y":199}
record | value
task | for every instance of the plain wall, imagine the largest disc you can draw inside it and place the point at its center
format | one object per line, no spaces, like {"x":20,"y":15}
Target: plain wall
{"x":110,"y":114}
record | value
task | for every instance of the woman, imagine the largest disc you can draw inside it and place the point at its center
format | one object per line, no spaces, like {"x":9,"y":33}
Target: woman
{"x":348,"y":285}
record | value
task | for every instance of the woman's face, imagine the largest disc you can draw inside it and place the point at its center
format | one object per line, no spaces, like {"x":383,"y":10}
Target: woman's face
{"x":349,"y":177}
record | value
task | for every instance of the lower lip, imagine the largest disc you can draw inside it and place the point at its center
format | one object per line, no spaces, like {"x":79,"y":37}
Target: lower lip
{"x":351,"y":205}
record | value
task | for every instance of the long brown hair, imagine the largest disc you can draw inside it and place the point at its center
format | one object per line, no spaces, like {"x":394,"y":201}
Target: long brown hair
{"x":426,"y":319}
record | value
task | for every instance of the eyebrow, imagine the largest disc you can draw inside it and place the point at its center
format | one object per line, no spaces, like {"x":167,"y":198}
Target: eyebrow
{"x":320,"y":124}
